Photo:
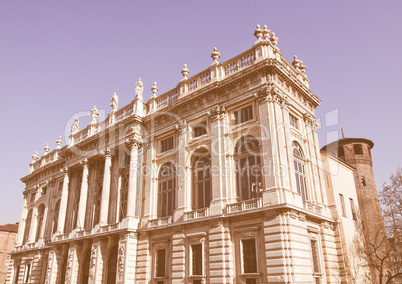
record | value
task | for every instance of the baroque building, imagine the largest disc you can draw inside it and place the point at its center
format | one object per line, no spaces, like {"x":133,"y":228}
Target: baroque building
{"x":219,"y":180}
{"x":7,"y":239}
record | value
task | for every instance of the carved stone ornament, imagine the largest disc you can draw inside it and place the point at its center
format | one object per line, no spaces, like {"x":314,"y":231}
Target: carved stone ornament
{"x":69,"y":265}
{"x":185,"y":71}
{"x":217,"y":113}
{"x":64,"y":170}
{"x":106,"y":153}
{"x":310,"y":120}
{"x":115,"y":102}
{"x":59,"y":142}
{"x":92,"y":265}
{"x":274,"y":39}
{"x":139,"y":88}
{"x":121,"y":262}
{"x":49,"y":268}
{"x":46,"y":148}
{"x":266,"y":32}
{"x":247,"y":235}
{"x":296,"y":62}
{"x":76,"y":125}
{"x":154,"y":90}
{"x":133,"y":142}
{"x":181,"y":126}
{"x":94,"y":115}
{"x":216,"y":55}
{"x":35,"y":157}
{"x":258,"y":32}
{"x":84,"y":162}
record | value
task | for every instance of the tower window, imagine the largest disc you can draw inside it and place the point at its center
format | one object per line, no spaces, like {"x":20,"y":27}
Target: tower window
{"x":342,"y":205}
{"x":363,"y":181}
{"x":358,"y":149}
{"x":341,"y":151}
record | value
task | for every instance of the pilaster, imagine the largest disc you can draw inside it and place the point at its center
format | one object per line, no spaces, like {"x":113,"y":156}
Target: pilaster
{"x":104,"y":208}
{"x":63,"y":202}
{"x":182,"y":189}
{"x":83,"y":194}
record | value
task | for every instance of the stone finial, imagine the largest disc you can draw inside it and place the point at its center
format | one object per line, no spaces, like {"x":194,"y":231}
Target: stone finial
{"x":139,"y":88}
{"x":302,"y":67}
{"x":94,"y":115}
{"x":59,"y":142}
{"x":115,"y":102}
{"x":215,"y":55}
{"x":266,"y":32}
{"x":185,"y":71}
{"x":274,"y":39}
{"x":296,"y":62}
{"x":76,"y":125}
{"x":258,"y":32}
{"x":154,"y":90}
{"x":35,"y":157}
{"x":46,"y":148}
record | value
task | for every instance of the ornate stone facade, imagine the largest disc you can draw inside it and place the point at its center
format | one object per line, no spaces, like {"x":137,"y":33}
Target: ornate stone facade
{"x":219,"y":180}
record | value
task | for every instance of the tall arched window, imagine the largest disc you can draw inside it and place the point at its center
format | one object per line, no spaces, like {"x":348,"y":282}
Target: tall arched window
{"x":41,"y":213}
{"x":248,"y":168}
{"x":27,"y":226}
{"x":202,"y":187}
{"x":56,"y":216}
{"x":123,"y":197}
{"x":167,"y":188}
{"x":85,"y":267}
{"x":112,"y":265}
{"x":300,"y":172}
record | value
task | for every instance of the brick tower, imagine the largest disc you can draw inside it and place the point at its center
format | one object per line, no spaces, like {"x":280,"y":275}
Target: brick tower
{"x":357,"y":153}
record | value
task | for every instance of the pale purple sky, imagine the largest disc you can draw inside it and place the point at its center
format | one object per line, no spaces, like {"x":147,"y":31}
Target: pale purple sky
{"x":63,"y":57}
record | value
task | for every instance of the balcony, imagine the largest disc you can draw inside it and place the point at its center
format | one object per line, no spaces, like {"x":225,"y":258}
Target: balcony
{"x":244,"y":205}
{"x":162,"y":221}
{"x":196,"y":214}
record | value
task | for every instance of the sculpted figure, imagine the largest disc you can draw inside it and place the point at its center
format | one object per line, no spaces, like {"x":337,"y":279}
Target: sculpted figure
{"x":139,"y":87}
{"x":76,"y":125}
{"x":94,"y":115}
{"x":115,"y":102}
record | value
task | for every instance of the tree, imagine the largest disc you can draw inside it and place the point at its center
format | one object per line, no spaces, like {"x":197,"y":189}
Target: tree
{"x":381,"y":244}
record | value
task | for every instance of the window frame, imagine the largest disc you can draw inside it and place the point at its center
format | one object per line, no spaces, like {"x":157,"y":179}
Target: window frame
{"x":299,"y":167}
{"x":157,"y":247}
{"x":165,"y":148}
{"x":293,"y":121}
{"x":244,"y":234}
{"x":240,"y":116}
{"x":200,"y":125}
{"x":206,"y":179}
{"x":170,"y":184}
{"x":342,"y":201}
{"x":353,"y":209}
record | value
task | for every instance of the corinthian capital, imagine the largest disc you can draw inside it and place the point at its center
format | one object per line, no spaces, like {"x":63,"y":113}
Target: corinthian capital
{"x":84,"y":162}
{"x":217,"y":113}
{"x":311,"y":121}
{"x":181,"y":126}
{"x":106,"y":153}
{"x":134,"y":142}
{"x":64,"y":170}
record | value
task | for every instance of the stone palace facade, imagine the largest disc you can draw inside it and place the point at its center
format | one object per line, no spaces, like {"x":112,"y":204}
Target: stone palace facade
{"x":220,"y":180}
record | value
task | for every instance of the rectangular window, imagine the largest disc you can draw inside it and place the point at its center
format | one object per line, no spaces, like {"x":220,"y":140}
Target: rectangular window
{"x":343,"y":205}
{"x":160,"y":263}
{"x":358,"y":149}
{"x":341,"y":151}
{"x":60,"y":186}
{"x":249,"y":256}
{"x":44,"y":190}
{"x":33,"y":195}
{"x":352,"y":206}
{"x":27,"y":273}
{"x":197,"y":259}
{"x":314,"y":253}
{"x":167,"y":144}
{"x":243,"y":115}
{"x":17,"y":273}
{"x":293,"y":121}
{"x":200,"y":129}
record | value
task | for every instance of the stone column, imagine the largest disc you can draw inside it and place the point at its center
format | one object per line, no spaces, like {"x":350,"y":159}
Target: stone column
{"x":83,"y":195}
{"x":133,"y":144}
{"x":182,"y":189}
{"x":104,"y":208}
{"x":218,"y":160}
{"x":150,"y":180}
{"x":21,"y":227}
{"x":34,"y":223}
{"x":63,"y":202}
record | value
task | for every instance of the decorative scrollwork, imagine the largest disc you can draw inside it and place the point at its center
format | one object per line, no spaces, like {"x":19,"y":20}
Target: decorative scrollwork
{"x":217,"y":113}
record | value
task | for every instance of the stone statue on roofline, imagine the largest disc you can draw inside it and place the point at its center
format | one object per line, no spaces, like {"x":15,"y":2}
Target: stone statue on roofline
{"x":115,"y":102}
{"x":94,"y":115}
{"x":139,"y":88}
{"x":76,"y":125}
